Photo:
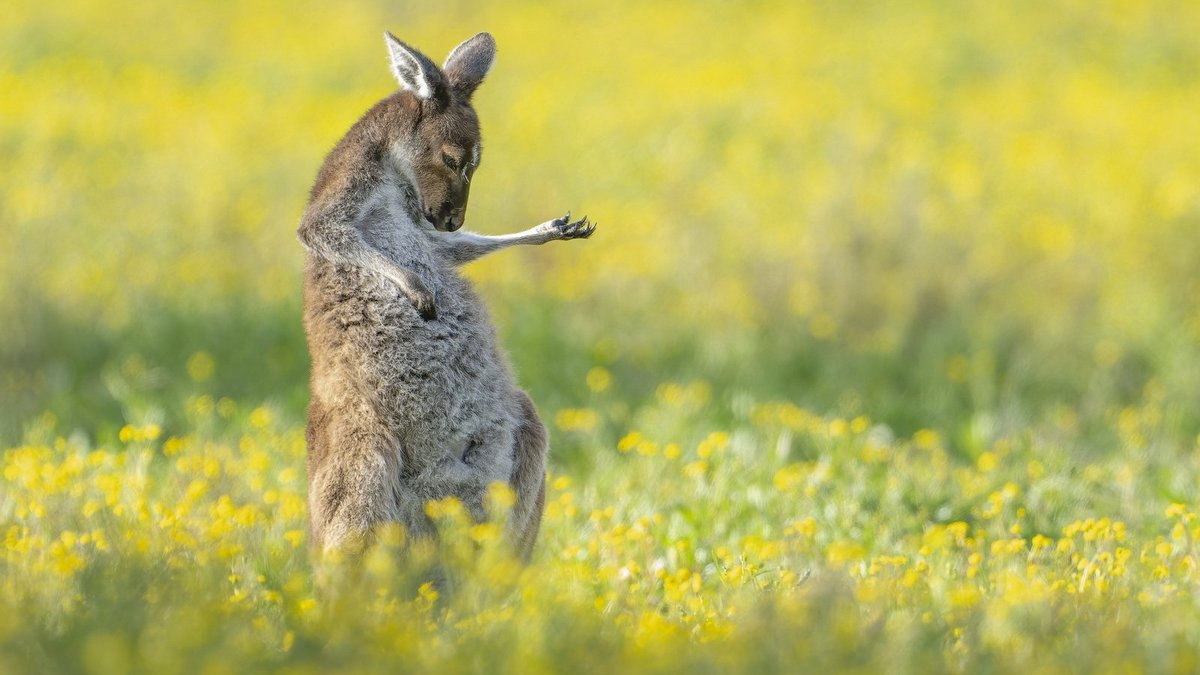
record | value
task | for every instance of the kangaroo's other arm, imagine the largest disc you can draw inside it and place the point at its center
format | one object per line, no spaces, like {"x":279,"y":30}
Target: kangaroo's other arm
{"x":329,"y":229}
{"x":462,"y":247}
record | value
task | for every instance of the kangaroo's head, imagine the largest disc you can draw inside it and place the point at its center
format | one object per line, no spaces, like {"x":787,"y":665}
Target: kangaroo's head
{"x":443,"y":146}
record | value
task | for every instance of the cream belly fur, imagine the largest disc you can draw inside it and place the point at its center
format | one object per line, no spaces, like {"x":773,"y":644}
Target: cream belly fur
{"x":441,"y":389}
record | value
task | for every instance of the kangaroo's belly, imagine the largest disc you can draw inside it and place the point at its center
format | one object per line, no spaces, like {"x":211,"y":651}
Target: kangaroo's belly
{"x":441,"y":387}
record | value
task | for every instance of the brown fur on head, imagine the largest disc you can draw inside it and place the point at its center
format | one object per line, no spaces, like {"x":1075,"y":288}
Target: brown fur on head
{"x":444,"y":148}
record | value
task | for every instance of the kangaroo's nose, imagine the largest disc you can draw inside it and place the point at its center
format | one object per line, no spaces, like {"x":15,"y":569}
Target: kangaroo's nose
{"x":455,"y":221}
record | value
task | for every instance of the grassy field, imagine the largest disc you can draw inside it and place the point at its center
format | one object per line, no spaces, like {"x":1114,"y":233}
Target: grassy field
{"x":885,"y":357}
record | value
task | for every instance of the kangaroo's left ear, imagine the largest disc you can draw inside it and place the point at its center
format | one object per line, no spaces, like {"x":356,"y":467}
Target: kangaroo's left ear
{"x":469,"y":63}
{"x":413,"y":70}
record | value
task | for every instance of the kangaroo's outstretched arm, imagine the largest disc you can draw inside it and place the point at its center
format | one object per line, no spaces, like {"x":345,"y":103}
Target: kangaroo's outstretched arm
{"x":462,"y":247}
{"x":329,"y":229}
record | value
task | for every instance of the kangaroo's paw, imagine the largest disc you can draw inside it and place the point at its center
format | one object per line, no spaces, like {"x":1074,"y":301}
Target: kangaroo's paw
{"x":565,"y":229}
{"x":423,"y":300}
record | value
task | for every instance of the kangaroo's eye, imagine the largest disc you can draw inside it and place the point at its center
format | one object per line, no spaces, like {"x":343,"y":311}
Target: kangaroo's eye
{"x":449,"y":161}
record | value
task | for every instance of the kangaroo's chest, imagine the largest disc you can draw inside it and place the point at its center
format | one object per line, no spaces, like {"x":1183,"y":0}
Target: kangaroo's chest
{"x":442,"y":385}
{"x":387,"y":223}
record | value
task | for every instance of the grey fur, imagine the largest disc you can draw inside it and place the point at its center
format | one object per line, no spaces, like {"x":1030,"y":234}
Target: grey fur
{"x":412,"y":398}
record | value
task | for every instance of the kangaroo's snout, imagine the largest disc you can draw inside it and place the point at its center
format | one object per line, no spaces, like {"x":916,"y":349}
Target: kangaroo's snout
{"x":446,"y":219}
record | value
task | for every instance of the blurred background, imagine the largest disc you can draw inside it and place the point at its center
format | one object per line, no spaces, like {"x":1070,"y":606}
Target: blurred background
{"x":950,"y":215}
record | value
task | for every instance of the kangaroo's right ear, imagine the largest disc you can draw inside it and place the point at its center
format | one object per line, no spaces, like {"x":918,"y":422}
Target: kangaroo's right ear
{"x":413,"y":70}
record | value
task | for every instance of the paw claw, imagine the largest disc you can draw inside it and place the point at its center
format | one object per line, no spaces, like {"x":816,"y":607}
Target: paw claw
{"x":579,"y":229}
{"x":425,"y":305}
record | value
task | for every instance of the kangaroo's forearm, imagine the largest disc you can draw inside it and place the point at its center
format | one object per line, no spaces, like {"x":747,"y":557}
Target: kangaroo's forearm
{"x":341,"y":243}
{"x":462,"y":247}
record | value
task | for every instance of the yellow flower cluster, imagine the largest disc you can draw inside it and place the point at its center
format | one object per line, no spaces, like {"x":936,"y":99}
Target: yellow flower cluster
{"x":651,"y":556}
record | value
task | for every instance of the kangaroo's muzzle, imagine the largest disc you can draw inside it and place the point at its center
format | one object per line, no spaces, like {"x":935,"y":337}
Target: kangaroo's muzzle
{"x":446,"y":220}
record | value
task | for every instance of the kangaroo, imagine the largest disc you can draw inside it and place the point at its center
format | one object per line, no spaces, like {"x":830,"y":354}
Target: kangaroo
{"x":411,"y":397}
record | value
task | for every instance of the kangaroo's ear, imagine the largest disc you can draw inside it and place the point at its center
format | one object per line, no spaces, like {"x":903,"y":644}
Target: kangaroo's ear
{"x":413,"y":70}
{"x":469,"y":63}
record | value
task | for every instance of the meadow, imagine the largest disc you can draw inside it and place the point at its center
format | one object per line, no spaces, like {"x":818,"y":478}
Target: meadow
{"x":884,"y":358}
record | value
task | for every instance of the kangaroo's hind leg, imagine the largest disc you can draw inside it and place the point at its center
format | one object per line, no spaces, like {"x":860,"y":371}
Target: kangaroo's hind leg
{"x":354,"y":478}
{"x":528,"y":478}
